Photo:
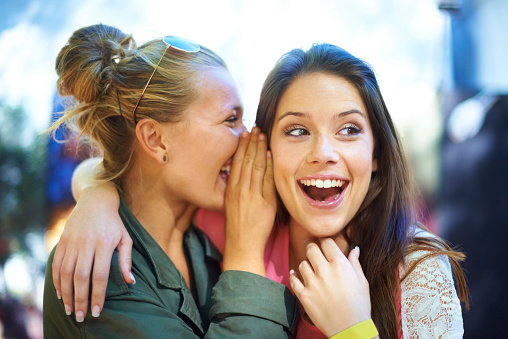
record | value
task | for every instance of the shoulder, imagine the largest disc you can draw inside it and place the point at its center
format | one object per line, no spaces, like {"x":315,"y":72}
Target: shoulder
{"x":429,"y":303}
{"x":425,"y":261}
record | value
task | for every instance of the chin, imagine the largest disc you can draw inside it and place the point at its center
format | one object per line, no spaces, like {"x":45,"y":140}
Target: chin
{"x":323,"y":228}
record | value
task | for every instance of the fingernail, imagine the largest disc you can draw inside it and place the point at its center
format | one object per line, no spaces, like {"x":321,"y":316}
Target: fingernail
{"x":357,"y":251}
{"x":79,"y":316}
{"x":67,"y":309}
{"x":291,"y":272}
{"x":132,"y":277}
{"x":58,"y":295}
{"x":96,"y":311}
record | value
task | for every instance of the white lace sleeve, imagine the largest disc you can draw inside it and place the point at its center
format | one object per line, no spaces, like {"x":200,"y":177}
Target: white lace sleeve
{"x":430,"y":307}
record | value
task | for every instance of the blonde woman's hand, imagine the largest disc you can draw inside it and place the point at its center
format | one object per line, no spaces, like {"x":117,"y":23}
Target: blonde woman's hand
{"x":250,"y":205}
{"x":332,"y":288}
{"x":92,"y":232}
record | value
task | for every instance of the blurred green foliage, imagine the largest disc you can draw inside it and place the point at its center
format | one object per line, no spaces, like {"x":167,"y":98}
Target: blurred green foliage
{"x":23,"y":205}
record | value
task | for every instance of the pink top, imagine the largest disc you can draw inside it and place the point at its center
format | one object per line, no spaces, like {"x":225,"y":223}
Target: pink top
{"x":276,"y":260}
{"x":276,"y":252}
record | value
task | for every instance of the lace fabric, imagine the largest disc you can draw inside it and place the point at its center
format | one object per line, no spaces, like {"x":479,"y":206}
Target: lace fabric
{"x":430,"y":307}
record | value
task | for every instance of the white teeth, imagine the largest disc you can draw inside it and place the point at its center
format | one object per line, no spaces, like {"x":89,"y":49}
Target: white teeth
{"x":327,"y":183}
{"x":226,"y":169}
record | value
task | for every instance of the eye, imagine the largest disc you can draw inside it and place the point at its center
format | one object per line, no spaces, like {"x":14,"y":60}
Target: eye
{"x":295,"y":131}
{"x":350,"y":130}
{"x":232,"y":119}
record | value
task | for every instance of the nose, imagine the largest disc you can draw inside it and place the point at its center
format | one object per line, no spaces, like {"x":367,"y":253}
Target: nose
{"x":242,"y":127}
{"x":323,"y":151}
{"x":239,"y":128}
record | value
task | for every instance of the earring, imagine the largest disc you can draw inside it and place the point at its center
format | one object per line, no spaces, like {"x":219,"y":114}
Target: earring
{"x":164,"y":159}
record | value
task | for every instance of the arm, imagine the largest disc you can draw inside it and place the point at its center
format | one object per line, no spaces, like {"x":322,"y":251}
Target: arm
{"x":145,"y":310}
{"x":247,"y":305}
{"x":430,"y":307}
{"x":334,"y":290}
{"x":244,"y":302}
{"x":92,"y":232}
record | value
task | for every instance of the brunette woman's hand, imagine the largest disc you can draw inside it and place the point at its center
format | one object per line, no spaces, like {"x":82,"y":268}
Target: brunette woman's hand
{"x":250,"y":205}
{"x":92,"y":232}
{"x":334,"y":290}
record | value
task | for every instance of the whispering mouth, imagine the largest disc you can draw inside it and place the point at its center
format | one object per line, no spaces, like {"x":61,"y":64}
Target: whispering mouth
{"x":224,"y":172}
{"x":323,"y":191}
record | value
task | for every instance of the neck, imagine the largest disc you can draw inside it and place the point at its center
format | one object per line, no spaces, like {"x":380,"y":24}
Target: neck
{"x":163,"y":216}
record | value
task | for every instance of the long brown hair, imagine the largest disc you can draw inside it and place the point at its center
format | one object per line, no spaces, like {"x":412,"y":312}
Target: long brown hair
{"x":390,"y":201}
{"x":105,"y":72}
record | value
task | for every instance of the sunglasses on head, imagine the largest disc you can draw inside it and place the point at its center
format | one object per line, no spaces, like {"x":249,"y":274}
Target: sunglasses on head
{"x":178,"y":43}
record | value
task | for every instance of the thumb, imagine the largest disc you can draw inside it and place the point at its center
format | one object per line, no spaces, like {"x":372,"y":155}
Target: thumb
{"x":124,"y":249}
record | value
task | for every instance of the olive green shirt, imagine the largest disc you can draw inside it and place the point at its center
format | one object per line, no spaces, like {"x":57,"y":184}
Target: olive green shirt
{"x":234,"y":304}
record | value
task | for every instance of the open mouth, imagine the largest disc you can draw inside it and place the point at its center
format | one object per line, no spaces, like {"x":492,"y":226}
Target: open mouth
{"x":224,"y":172}
{"x":323,"y":191}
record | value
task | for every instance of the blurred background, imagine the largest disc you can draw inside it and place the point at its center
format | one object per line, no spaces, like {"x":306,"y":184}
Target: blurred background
{"x":442,"y":66}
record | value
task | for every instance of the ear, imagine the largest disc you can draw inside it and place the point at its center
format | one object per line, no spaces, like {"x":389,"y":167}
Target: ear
{"x":150,"y":137}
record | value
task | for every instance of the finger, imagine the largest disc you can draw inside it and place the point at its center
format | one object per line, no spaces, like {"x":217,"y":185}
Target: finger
{"x":315,"y":257}
{"x":248,"y":160}
{"x":82,"y":274}
{"x":296,"y":284}
{"x":259,"y":166}
{"x":331,"y":250}
{"x":67,"y":279}
{"x":306,"y":272}
{"x":55,"y":268}
{"x":101,"y":267}
{"x":353,"y":258}
{"x":268,"y":182}
{"x":125,"y":257}
{"x":236,"y":166}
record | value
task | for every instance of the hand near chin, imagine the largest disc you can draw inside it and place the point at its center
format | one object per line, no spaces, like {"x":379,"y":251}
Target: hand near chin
{"x":250,"y":205}
{"x":332,"y":288}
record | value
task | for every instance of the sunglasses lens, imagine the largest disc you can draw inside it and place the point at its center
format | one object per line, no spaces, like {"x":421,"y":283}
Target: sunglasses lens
{"x":182,"y":44}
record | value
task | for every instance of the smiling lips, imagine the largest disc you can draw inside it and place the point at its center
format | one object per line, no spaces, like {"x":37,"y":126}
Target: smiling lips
{"x":323,"y":192}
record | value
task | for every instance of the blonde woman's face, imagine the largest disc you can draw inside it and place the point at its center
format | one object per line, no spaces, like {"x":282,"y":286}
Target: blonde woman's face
{"x":322,"y":147}
{"x":203,"y":144}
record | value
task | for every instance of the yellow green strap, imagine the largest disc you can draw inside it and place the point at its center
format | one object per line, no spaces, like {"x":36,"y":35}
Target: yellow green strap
{"x":364,"y":330}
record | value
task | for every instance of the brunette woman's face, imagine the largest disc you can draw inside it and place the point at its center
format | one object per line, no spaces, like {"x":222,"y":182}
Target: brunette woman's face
{"x":203,"y":143}
{"x":322,"y":147}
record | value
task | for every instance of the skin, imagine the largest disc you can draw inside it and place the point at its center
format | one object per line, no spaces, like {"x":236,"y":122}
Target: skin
{"x":163,"y":196}
{"x":321,"y":132}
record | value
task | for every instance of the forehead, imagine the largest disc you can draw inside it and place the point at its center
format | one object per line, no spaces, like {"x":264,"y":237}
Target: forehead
{"x":320,"y":92}
{"x":216,"y":94}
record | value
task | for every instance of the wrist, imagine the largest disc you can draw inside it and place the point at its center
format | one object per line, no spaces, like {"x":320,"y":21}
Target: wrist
{"x":105,"y":193}
{"x":241,"y":260}
{"x":363,"y":330}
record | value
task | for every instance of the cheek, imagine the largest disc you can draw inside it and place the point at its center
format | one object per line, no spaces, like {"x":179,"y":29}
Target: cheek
{"x":359,"y":160}
{"x":282,"y":175}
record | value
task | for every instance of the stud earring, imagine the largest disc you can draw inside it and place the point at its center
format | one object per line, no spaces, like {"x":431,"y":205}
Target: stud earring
{"x":164,"y":159}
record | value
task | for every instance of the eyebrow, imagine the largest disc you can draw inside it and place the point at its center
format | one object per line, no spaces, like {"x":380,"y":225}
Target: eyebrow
{"x":336,"y":116}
